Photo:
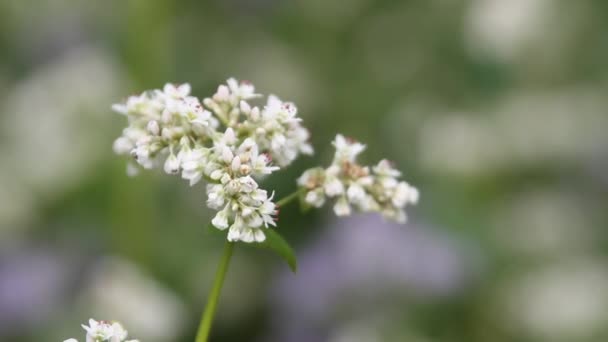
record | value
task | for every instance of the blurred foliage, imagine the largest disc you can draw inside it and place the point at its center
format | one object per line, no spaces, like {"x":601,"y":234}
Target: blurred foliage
{"x":495,"y":109}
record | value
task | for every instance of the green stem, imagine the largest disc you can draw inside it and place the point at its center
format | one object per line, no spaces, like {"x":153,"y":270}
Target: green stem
{"x":205,"y":326}
{"x":285,"y":200}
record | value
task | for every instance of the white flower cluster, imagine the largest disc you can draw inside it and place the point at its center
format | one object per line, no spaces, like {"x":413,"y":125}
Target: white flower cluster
{"x":229,"y":143}
{"x":377,"y":190}
{"x":103,"y":331}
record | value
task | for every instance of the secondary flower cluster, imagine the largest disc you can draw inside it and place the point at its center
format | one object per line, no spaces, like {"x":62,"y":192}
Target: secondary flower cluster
{"x":229,"y":142}
{"x":103,"y":331}
{"x":375,"y":190}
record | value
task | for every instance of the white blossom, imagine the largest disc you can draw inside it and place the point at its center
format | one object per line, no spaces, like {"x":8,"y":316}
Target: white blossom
{"x":347,"y":150}
{"x":229,"y":143}
{"x":104,"y":331}
{"x":172,"y":164}
{"x":316,"y":198}
{"x":342,"y":208}
{"x":355,"y":186}
{"x":277,"y":129}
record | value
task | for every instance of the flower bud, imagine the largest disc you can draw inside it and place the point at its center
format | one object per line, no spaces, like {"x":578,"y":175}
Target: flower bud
{"x":245,"y":107}
{"x":255,"y":114}
{"x":220,"y":220}
{"x":222,"y":94}
{"x":172,"y":165}
{"x":153,"y":127}
{"x":122,"y":145}
{"x":342,"y":208}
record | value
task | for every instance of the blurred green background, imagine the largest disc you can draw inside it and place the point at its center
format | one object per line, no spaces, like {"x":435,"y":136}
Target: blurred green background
{"x":494,"y":109}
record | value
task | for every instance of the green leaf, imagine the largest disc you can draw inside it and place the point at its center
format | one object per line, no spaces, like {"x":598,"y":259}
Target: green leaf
{"x":276,"y":243}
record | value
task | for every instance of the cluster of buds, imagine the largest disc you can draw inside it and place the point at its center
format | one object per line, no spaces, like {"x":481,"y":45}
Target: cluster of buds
{"x":103,"y":331}
{"x":158,"y":120}
{"x":375,"y":190}
{"x":229,"y":142}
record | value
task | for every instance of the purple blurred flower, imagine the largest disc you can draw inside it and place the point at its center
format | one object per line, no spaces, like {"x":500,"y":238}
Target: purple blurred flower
{"x":365,"y":259}
{"x":33,"y":283}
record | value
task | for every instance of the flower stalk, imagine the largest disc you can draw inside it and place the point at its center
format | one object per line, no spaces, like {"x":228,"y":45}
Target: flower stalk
{"x":204,"y":328}
{"x":285,"y":200}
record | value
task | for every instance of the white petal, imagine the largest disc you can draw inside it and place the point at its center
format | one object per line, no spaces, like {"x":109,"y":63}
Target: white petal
{"x":341,"y":208}
{"x":234,"y":233}
{"x":245,"y":107}
{"x":153,"y":127}
{"x":259,"y":235}
{"x":236,"y":163}
{"x":220,"y":220}
{"x":171,"y":165}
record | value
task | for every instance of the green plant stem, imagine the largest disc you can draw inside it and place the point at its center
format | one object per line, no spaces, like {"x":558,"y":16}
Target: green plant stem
{"x":205,"y":326}
{"x":285,"y":200}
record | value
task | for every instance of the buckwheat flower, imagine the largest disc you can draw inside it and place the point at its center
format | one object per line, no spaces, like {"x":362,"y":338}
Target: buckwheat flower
{"x":333,"y":186}
{"x":172,"y":164}
{"x":229,"y":143}
{"x":355,"y":186}
{"x":104,"y":331}
{"x":346,"y":149}
{"x":158,"y":120}
{"x":194,"y":162}
{"x":316,"y":198}
{"x":342,"y":208}
{"x":177,"y":91}
{"x":243,"y":90}
{"x":277,"y":129}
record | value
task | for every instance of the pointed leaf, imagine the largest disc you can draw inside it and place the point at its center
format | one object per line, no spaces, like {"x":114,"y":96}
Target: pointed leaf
{"x":276,"y":243}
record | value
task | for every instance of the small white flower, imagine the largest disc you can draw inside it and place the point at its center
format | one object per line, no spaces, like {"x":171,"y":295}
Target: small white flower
{"x":404,"y":194}
{"x":222,"y":93}
{"x":316,"y":198}
{"x":245,"y":107}
{"x":342,"y":208}
{"x":153,"y":127}
{"x":202,"y":119}
{"x":240,"y":232}
{"x":123,"y":145}
{"x":177,"y":91}
{"x":235,"y":165}
{"x":192,"y":164}
{"x":169,"y":127}
{"x":172,"y":165}
{"x":355,"y":193}
{"x":247,"y":184}
{"x":347,"y":149}
{"x":243,"y":90}
{"x":220,"y":220}
{"x":385,"y":169}
{"x":312,"y":178}
{"x":216,"y":196}
{"x":333,"y":187}
{"x":103,"y":331}
{"x":356,"y":187}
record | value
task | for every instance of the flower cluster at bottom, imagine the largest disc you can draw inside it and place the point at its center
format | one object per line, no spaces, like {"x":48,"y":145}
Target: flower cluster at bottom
{"x":375,"y":190}
{"x":104,"y":331}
